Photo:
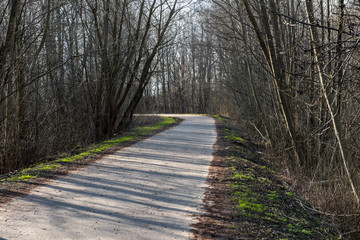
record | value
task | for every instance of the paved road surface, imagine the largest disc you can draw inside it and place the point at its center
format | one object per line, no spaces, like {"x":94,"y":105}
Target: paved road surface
{"x":147,"y":191}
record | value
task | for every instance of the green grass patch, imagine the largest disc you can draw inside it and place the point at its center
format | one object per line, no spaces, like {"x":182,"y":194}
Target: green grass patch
{"x":245,"y":198}
{"x":298,"y":228}
{"x":273,"y":195}
{"x":247,"y":176}
{"x":51,"y":167}
{"x":264,"y":180}
{"x":235,"y":138}
{"x":307,"y":232}
{"x":291,"y":194}
{"x":245,"y":204}
{"x":21,"y":177}
{"x":147,"y":129}
{"x":275,"y":217}
{"x":230,"y":134}
{"x":218,"y":117}
{"x":234,"y":227}
{"x":247,"y":201}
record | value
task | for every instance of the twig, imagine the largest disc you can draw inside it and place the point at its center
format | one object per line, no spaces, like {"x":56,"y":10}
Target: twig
{"x":259,"y":132}
{"x":325,"y":213}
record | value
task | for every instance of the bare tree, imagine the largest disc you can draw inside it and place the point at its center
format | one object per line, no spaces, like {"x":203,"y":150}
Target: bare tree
{"x":74,"y":71}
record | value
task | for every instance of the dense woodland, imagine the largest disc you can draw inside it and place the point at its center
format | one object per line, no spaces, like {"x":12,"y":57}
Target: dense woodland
{"x":75,"y":71}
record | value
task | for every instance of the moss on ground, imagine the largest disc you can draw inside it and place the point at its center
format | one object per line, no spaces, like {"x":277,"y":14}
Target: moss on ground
{"x":218,"y":117}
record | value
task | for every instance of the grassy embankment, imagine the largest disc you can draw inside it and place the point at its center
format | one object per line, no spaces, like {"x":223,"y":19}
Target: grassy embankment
{"x":263,"y":199}
{"x":63,"y":162}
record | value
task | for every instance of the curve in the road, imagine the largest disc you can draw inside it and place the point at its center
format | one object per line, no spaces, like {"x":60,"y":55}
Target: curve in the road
{"x":147,"y":191}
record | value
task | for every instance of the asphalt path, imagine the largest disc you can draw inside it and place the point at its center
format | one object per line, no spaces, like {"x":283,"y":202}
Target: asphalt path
{"x":147,"y":191}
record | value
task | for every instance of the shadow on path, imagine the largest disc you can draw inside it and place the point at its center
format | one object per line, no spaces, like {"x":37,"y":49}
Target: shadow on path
{"x":147,"y":191}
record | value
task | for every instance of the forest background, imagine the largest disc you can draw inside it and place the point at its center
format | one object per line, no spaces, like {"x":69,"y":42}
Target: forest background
{"x":75,"y":72}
